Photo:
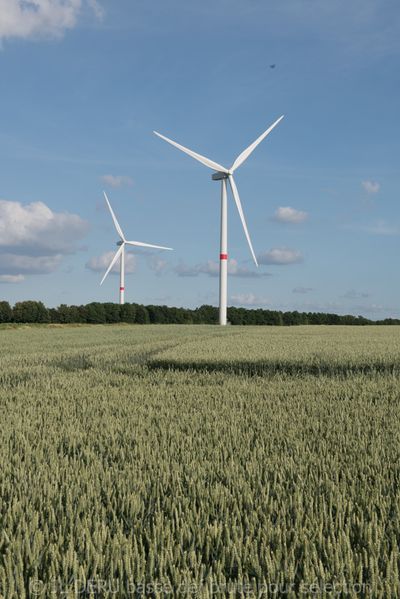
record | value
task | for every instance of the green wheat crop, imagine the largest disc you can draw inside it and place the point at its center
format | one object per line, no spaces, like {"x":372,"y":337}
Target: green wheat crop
{"x":198,"y":461}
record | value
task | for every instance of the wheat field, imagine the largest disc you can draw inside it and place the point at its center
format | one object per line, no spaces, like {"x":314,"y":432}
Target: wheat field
{"x":198,"y":461}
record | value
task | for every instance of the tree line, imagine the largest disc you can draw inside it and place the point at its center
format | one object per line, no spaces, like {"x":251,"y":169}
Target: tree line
{"x":110,"y":313}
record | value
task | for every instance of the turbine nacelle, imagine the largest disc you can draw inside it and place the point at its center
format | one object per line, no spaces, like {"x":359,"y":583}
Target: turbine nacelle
{"x":219,"y":176}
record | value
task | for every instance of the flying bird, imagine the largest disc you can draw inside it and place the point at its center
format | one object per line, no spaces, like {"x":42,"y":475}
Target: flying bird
{"x":272,"y":66}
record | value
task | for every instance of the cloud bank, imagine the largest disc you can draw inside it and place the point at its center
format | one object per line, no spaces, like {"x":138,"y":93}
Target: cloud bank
{"x":19,"y":264}
{"x":34,"y":239}
{"x":35,"y":227}
{"x":32,"y":19}
{"x":101,"y":263}
{"x":11,"y":278}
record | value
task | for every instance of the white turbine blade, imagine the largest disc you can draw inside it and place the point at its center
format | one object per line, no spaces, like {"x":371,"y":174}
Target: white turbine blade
{"x":147,"y":245}
{"x":199,"y":157}
{"x":246,"y":153}
{"x":116,"y":223}
{"x":240,"y":210}
{"x":113,"y":261}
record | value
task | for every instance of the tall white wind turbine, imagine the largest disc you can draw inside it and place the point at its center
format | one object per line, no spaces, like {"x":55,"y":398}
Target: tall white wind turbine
{"x":120,"y":253}
{"x":223,"y":174}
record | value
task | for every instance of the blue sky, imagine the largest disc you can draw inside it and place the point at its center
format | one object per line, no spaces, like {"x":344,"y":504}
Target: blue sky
{"x":84,"y":84}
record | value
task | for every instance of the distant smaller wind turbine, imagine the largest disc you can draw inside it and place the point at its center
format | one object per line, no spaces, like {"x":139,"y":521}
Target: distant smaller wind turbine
{"x":120,"y":253}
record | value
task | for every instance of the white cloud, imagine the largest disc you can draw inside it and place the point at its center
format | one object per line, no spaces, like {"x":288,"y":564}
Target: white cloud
{"x":35,"y":229}
{"x":280,"y":256}
{"x":249,"y":299}
{"x":34,"y":239}
{"x":16,"y":264}
{"x":101,"y":263}
{"x":11,"y":278}
{"x":116,"y":180}
{"x":38,"y":18}
{"x":302,"y":290}
{"x":211,"y":268}
{"x":286,"y":214}
{"x":371,"y":187}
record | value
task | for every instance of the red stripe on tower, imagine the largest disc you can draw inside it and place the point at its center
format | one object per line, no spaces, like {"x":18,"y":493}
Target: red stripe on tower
{"x":223,"y":256}
{"x":122,"y":288}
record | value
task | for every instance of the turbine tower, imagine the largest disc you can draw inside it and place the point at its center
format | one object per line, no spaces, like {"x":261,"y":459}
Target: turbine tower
{"x":223,"y":174}
{"x":120,"y":253}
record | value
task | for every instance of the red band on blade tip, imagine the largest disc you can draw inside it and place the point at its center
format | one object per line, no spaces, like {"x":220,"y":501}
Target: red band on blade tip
{"x":223,"y":256}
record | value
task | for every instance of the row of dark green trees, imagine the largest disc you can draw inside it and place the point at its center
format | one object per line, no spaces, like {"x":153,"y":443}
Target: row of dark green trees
{"x":108,"y":313}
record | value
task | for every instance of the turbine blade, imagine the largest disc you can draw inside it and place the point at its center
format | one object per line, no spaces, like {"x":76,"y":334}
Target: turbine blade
{"x":113,"y":261}
{"x":199,"y":157}
{"x":147,"y":245}
{"x":116,"y":223}
{"x":246,"y":153}
{"x":242,"y":218}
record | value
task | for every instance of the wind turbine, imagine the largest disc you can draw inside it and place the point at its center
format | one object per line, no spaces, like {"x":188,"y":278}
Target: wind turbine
{"x":120,"y":253}
{"x":223,"y":174}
